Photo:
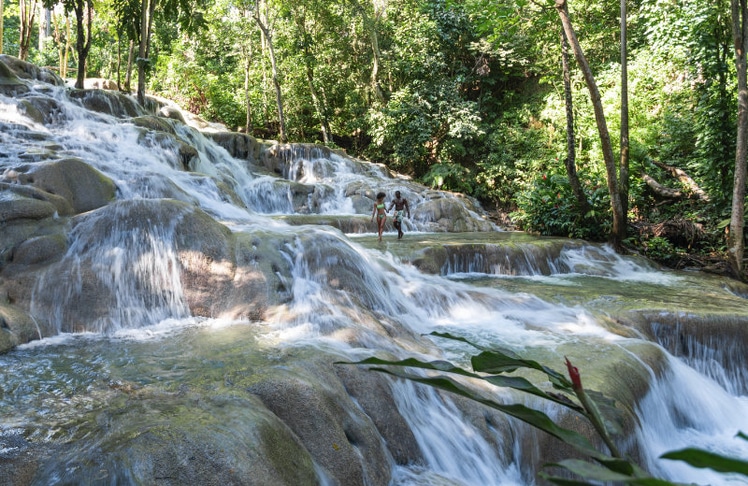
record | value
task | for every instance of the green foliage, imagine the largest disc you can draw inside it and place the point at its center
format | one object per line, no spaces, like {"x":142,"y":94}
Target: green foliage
{"x":548,"y":207}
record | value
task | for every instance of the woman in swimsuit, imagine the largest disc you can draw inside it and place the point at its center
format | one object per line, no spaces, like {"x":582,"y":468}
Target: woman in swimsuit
{"x":380,"y":212}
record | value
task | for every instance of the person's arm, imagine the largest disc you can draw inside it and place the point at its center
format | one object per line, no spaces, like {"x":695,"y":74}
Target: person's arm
{"x":374,"y":211}
{"x":407,"y":206}
{"x":392,"y":205}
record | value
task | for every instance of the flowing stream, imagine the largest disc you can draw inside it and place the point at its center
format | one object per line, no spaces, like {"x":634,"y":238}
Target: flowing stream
{"x":584,"y":302}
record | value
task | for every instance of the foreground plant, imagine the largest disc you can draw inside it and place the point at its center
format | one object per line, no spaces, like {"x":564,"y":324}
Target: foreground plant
{"x":491,"y":365}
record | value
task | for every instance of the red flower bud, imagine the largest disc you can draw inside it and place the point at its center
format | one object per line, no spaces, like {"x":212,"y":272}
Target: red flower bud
{"x":576,"y":380}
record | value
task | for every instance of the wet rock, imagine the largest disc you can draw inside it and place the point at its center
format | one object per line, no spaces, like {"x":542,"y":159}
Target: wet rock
{"x":239,"y":145}
{"x":449,"y":214}
{"x":172,"y":113}
{"x":26,"y":70}
{"x":10,"y":83}
{"x":179,"y":439}
{"x":335,"y":431}
{"x":100,"y":83}
{"x":40,"y":249}
{"x":16,"y":327}
{"x":119,"y":105}
{"x":42,"y":110}
{"x":373,"y":393}
{"x":227,"y":275}
{"x":84,"y":187}
{"x":16,"y":194}
{"x":154,"y":123}
{"x":14,"y":206}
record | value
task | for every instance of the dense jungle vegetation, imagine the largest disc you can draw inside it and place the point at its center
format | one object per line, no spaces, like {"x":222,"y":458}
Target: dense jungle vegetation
{"x":464,"y":95}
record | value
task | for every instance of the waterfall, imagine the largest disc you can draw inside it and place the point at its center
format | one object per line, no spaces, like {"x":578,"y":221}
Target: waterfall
{"x":335,"y":296}
{"x":686,"y":409}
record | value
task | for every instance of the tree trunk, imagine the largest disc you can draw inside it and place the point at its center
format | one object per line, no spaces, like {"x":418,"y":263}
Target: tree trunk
{"x":128,"y":72}
{"x":735,"y":243}
{"x":146,"y":20}
{"x":27,"y":11}
{"x":319,"y":107}
{"x":571,"y":151}
{"x":83,"y":21}
{"x":62,"y":39}
{"x":619,"y":218}
{"x":276,"y":81}
{"x":624,"y":167}
{"x":247,"y":66}
{"x":371,"y":28}
{"x":1,"y":25}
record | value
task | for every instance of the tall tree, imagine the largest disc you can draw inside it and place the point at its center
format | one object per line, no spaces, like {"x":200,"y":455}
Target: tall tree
{"x":301,"y":14}
{"x":84,"y":12}
{"x":262,"y":19}
{"x":624,"y":167}
{"x":2,"y":22}
{"x":736,"y":243}
{"x":571,"y":167}
{"x":27,"y":12}
{"x":370,"y":25}
{"x":147,"y":7}
{"x":618,"y":230}
{"x":83,"y":21}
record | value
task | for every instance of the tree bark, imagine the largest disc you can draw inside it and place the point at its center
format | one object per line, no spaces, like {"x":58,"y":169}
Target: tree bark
{"x":1,"y":26}
{"x":571,"y":149}
{"x":276,"y":81}
{"x":319,"y":106}
{"x":128,"y":72}
{"x":624,"y":165}
{"x":146,"y":20}
{"x":83,"y":21}
{"x":26,"y":12}
{"x":371,"y":28}
{"x":619,"y":218}
{"x":736,"y":243}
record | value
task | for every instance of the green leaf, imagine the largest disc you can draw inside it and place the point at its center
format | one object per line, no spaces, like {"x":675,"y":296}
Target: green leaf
{"x":705,"y":459}
{"x":503,"y":360}
{"x":521,"y":384}
{"x":595,"y":472}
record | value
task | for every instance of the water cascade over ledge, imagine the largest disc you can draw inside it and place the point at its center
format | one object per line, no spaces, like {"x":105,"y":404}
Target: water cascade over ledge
{"x":174,"y":298}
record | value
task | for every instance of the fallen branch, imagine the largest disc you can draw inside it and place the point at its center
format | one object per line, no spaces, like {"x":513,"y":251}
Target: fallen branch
{"x":684,"y":179}
{"x":661,"y":190}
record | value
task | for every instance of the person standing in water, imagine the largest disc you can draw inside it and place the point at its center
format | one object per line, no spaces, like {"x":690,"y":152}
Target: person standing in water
{"x":380,"y":213}
{"x":400,"y":204}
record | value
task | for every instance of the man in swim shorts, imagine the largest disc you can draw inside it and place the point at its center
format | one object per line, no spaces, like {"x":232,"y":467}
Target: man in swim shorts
{"x":401,"y":205}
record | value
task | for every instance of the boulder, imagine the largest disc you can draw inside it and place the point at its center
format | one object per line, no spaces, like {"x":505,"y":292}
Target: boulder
{"x":84,"y":187}
{"x":40,"y":249}
{"x":119,"y":105}
{"x":239,"y":145}
{"x":343,"y":440}
{"x":26,"y":70}
{"x":450,"y":214}
{"x":174,"y":439}
{"x":16,"y":327}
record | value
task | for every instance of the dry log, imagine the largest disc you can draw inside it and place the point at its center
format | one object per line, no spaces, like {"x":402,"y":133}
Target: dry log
{"x":661,"y":190}
{"x":684,"y":179}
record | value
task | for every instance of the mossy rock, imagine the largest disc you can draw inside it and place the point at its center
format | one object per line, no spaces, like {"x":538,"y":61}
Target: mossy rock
{"x":83,"y":186}
{"x":16,"y":327}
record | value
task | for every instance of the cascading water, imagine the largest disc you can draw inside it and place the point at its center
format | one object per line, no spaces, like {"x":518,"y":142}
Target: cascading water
{"x":343,"y":295}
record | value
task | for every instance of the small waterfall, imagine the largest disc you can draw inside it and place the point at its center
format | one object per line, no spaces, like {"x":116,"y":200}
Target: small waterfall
{"x":722,"y":356}
{"x":685,"y":409}
{"x":133,"y":274}
{"x":453,"y":449}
